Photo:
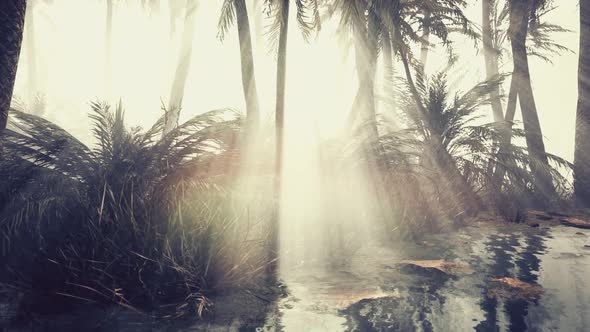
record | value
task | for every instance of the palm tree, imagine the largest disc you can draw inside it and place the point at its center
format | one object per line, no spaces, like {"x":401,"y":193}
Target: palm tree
{"x":521,"y":14}
{"x":361,"y":20}
{"x":12,"y":18}
{"x":496,"y":28}
{"x":398,"y":19}
{"x":308,"y":19}
{"x":582,"y":148}
{"x":236,"y":10}
{"x":182,"y":68}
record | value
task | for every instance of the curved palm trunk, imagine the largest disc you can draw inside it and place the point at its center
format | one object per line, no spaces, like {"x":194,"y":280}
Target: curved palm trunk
{"x":247,"y":59}
{"x":12,"y":17}
{"x":582,"y":146}
{"x":279,"y":129}
{"x":520,"y":12}
{"x":463,"y":193}
{"x":182,"y":68}
{"x":491,"y":58}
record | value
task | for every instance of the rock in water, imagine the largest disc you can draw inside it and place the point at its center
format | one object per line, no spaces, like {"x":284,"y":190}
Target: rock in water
{"x":514,"y":289}
{"x":576,"y":222}
{"x":437,"y":266}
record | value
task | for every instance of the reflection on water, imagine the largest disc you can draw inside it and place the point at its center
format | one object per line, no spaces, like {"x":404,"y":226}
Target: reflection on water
{"x":436,"y":302}
{"x":369,"y":292}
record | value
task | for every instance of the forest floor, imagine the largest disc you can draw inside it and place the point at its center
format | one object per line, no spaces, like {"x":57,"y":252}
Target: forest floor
{"x":486,"y":276}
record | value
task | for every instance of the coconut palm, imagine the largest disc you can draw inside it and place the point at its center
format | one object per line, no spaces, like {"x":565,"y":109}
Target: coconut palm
{"x":11,"y":35}
{"x":235,"y":10}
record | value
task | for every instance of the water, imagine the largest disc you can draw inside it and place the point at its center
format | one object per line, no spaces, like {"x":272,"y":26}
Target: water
{"x":373,"y":294}
{"x":368,"y":291}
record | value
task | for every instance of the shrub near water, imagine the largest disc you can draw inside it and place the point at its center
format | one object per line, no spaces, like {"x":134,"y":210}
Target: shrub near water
{"x":140,"y":220}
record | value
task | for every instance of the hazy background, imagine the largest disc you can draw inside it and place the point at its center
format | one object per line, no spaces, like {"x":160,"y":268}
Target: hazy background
{"x":68,"y":51}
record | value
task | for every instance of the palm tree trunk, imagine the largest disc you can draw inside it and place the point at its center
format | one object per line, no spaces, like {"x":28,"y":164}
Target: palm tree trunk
{"x":12,"y":17}
{"x":506,"y":133}
{"x":182,"y":68}
{"x":582,"y":146}
{"x":491,"y":58}
{"x":425,"y":47}
{"x":388,"y":69}
{"x":520,"y":12}
{"x":279,"y":128}
{"x":29,"y":39}
{"x":247,"y":59}
{"x":366,"y":58}
{"x":108,"y":48}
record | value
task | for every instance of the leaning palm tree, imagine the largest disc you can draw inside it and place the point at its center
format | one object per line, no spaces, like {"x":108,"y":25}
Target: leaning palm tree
{"x":11,"y":36}
{"x":235,"y":10}
{"x":399,"y":19}
{"x":523,"y":13}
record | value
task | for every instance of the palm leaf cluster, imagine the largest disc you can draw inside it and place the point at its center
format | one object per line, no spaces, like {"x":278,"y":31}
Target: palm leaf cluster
{"x":135,"y":219}
{"x":409,"y":155}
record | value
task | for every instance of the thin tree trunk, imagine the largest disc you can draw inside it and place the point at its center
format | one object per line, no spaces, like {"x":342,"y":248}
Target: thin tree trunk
{"x":182,"y":68}
{"x":520,"y":12}
{"x":108,"y":48}
{"x":491,"y":58}
{"x":247,"y":59}
{"x":506,"y":133}
{"x":366,"y":58}
{"x":388,"y":69}
{"x":29,"y":39}
{"x":425,"y":47}
{"x":12,"y":17}
{"x":582,"y":145}
{"x":279,"y":128}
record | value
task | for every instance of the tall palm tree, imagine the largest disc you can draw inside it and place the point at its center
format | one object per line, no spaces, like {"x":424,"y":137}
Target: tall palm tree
{"x":235,"y":10}
{"x":308,"y":19}
{"x":521,"y":14}
{"x":361,"y":19}
{"x":12,"y":18}
{"x":182,"y":67}
{"x":582,"y":147}
{"x":496,"y":34}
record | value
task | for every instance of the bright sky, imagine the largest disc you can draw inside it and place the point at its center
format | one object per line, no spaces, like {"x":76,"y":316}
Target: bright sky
{"x":70,"y":53}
